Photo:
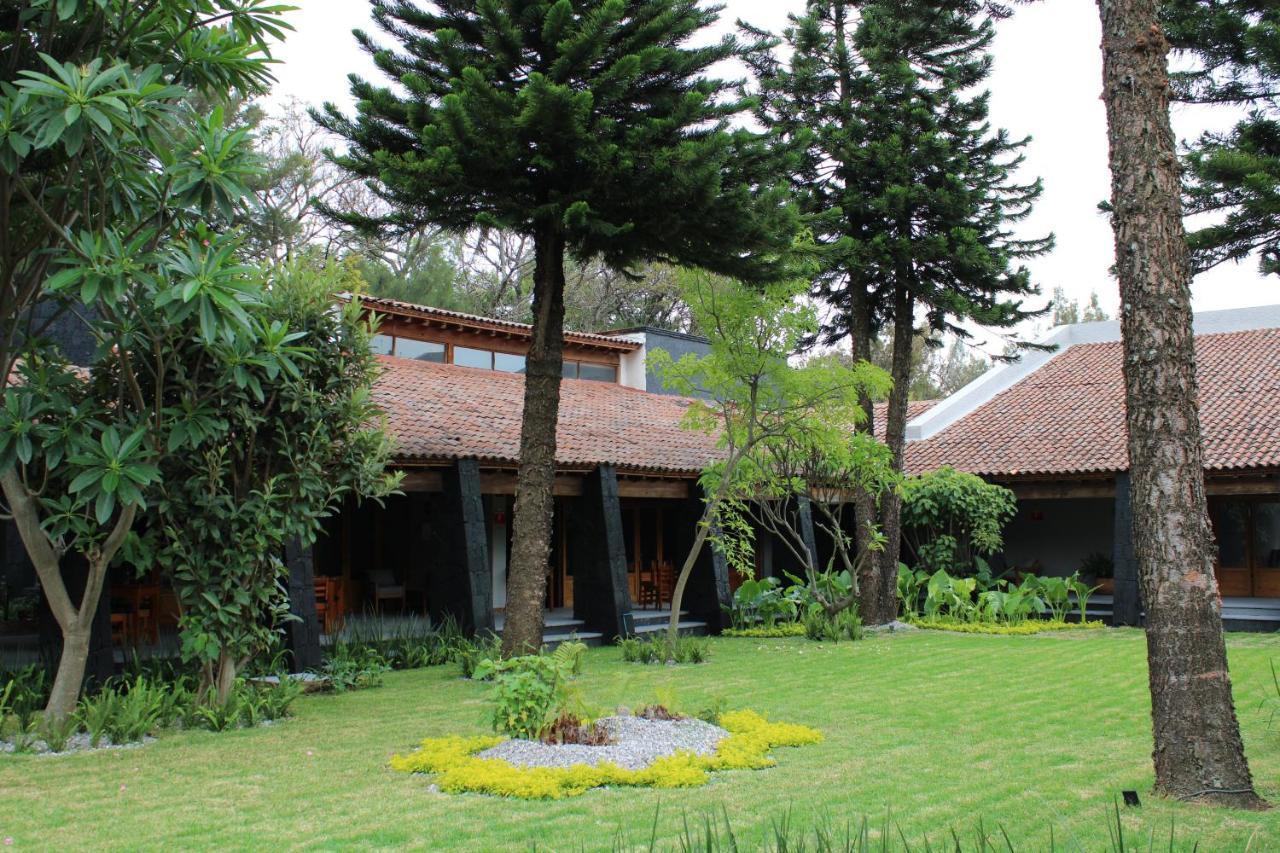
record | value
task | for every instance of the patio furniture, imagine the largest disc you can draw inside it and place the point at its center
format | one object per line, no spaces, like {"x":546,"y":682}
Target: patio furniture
{"x":330,"y":603}
{"x":666,"y":582}
{"x":385,"y":588}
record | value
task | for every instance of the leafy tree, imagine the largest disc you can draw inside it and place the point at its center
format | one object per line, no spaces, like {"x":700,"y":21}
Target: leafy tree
{"x":949,"y":517}
{"x":907,"y":190}
{"x":1232,"y":48}
{"x":107,"y":175}
{"x":1067,"y":311}
{"x":275,"y":430}
{"x":757,"y":403}
{"x":937,"y":370}
{"x":589,"y":127}
{"x":1198,"y":751}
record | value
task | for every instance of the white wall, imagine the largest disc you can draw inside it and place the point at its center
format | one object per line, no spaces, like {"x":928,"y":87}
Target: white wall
{"x":632,"y":369}
{"x":1059,"y":534}
{"x":496,"y":505}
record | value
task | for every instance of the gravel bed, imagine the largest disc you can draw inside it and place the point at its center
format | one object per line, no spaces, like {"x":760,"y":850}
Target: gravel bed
{"x":77,"y":743}
{"x":640,"y":742}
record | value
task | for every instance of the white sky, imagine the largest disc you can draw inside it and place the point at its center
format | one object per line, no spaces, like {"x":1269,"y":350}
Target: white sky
{"x":1046,"y":84}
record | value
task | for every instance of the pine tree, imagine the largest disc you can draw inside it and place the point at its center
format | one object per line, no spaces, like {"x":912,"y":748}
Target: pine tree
{"x":1233,"y":177}
{"x":907,"y":189}
{"x":1198,"y":751}
{"x":593,"y":127}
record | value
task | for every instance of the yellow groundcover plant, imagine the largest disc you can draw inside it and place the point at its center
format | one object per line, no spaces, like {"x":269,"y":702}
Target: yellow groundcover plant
{"x":458,"y":769}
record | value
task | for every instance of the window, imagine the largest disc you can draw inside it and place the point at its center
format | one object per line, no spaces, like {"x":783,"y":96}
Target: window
{"x":598,"y":372}
{"x":508,"y":363}
{"x":420,"y":350}
{"x":570,"y":370}
{"x":468,"y":357}
{"x":382,"y":344}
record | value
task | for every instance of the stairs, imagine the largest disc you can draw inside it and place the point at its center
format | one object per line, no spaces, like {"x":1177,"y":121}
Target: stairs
{"x":649,"y":622}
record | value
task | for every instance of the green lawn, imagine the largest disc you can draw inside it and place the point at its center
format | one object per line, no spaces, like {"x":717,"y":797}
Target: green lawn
{"x":1031,"y":733}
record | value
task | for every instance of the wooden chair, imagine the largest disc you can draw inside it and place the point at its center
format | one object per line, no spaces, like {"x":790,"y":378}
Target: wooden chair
{"x":325,"y":605}
{"x":647,"y":587}
{"x":120,"y":629}
{"x":146,"y":613}
{"x":666,"y":582}
{"x":385,"y":588}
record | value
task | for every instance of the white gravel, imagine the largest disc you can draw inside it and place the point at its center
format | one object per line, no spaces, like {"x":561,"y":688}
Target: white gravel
{"x":76,"y":743}
{"x":640,"y":742}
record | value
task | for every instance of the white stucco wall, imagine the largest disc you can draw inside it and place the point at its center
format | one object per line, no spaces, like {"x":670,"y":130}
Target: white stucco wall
{"x":496,"y":505}
{"x":1059,"y":534}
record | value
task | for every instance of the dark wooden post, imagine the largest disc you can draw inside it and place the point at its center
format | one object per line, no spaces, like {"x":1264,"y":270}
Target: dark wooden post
{"x":598,"y":557}
{"x":471,"y":569}
{"x":1126,"y":605}
{"x":302,"y":636}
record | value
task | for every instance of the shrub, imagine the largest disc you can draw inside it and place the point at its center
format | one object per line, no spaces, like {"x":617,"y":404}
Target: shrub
{"x":410,"y":643}
{"x":785,"y":629}
{"x":530,"y":691}
{"x":459,"y":769}
{"x":833,"y":627}
{"x":468,"y":652}
{"x":353,"y":668}
{"x":1033,"y":626}
{"x":950,"y":517}
{"x":659,"y":648}
{"x":762,"y":601}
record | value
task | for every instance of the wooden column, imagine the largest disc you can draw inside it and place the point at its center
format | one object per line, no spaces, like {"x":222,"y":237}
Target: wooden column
{"x":708,"y":594}
{"x":302,"y":637}
{"x":1127,"y":600}
{"x":468,"y":573}
{"x":598,"y":557}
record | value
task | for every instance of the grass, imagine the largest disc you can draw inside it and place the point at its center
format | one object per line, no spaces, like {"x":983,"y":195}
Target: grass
{"x":1033,"y":734}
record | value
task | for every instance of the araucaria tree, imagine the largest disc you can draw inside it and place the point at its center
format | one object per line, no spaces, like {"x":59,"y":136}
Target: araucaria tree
{"x":107,"y":175}
{"x":1231,"y":53}
{"x":1198,"y":751}
{"x":907,"y":189}
{"x":591,"y":127}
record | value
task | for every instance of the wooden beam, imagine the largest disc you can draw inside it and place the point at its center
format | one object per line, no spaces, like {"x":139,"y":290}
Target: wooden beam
{"x":669,"y":489}
{"x":1269,"y":486}
{"x":422,"y":480}
{"x":1051,"y":491}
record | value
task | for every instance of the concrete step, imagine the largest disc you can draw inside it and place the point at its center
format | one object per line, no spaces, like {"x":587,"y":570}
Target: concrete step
{"x":689,"y":628}
{"x":588,"y":638}
{"x":653,"y":617}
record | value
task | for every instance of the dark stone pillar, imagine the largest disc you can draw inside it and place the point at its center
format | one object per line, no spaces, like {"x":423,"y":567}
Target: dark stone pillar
{"x":302,"y":637}
{"x":598,"y":557}
{"x":465,"y":586}
{"x":764,"y":548}
{"x":1127,"y":601}
{"x":805,"y":511}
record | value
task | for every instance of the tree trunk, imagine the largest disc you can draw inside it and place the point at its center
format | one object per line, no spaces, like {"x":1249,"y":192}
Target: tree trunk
{"x":870,"y":593}
{"x":535,"y":501}
{"x":896,"y":438}
{"x":226,"y":679}
{"x":1198,"y":751}
{"x":65,"y":692}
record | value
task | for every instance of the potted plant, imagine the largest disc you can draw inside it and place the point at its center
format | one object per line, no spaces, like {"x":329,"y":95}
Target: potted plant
{"x":1098,"y":570}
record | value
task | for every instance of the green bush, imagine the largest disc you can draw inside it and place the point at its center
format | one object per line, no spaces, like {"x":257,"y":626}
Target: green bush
{"x":785,"y":629}
{"x":469,"y":652}
{"x":950,"y":517}
{"x":1031,"y":626}
{"x":833,"y":627}
{"x":410,"y":643}
{"x":349,"y":667}
{"x":531,"y":691}
{"x":659,"y":648}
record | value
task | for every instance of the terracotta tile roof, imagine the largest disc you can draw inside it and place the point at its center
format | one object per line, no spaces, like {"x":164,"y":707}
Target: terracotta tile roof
{"x":442,"y":411}
{"x":915,"y":408}
{"x":472,"y":321}
{"x":1068,"y":416}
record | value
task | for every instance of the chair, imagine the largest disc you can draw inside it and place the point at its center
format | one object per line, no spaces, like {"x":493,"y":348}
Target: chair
{"x":647,"y":587}
{"x":120,"y":629}
{"x":146,"y":605}
{"x":385,"y":588}
{"x":666,"y":582}
{"x":325,"y":603}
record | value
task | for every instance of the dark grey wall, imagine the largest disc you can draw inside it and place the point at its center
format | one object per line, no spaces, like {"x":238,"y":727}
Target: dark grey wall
{"x":675,"y":343}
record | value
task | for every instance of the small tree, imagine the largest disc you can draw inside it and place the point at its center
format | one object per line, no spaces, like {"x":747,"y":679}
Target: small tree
{"x":802,"y":484}
{"x":949,"y":517}
{"x":755,"y":397}
{"x":590,"y":127}
{"x":277,"y":430}
{"x":107,"y":176}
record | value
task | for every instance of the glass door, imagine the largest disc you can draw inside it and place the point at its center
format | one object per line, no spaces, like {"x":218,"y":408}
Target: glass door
{"x":1231,"y":528}
{"x":1266,"y":549}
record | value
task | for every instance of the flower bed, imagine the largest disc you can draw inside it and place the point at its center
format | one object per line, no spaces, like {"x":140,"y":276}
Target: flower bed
{"x":458,"y":769}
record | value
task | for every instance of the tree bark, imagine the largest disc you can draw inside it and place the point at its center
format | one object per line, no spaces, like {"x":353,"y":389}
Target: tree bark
{"x":886,"y":562}
{"x":865,"y":511}
{"x":535,"y":481}
{"x":1198,"y":752}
